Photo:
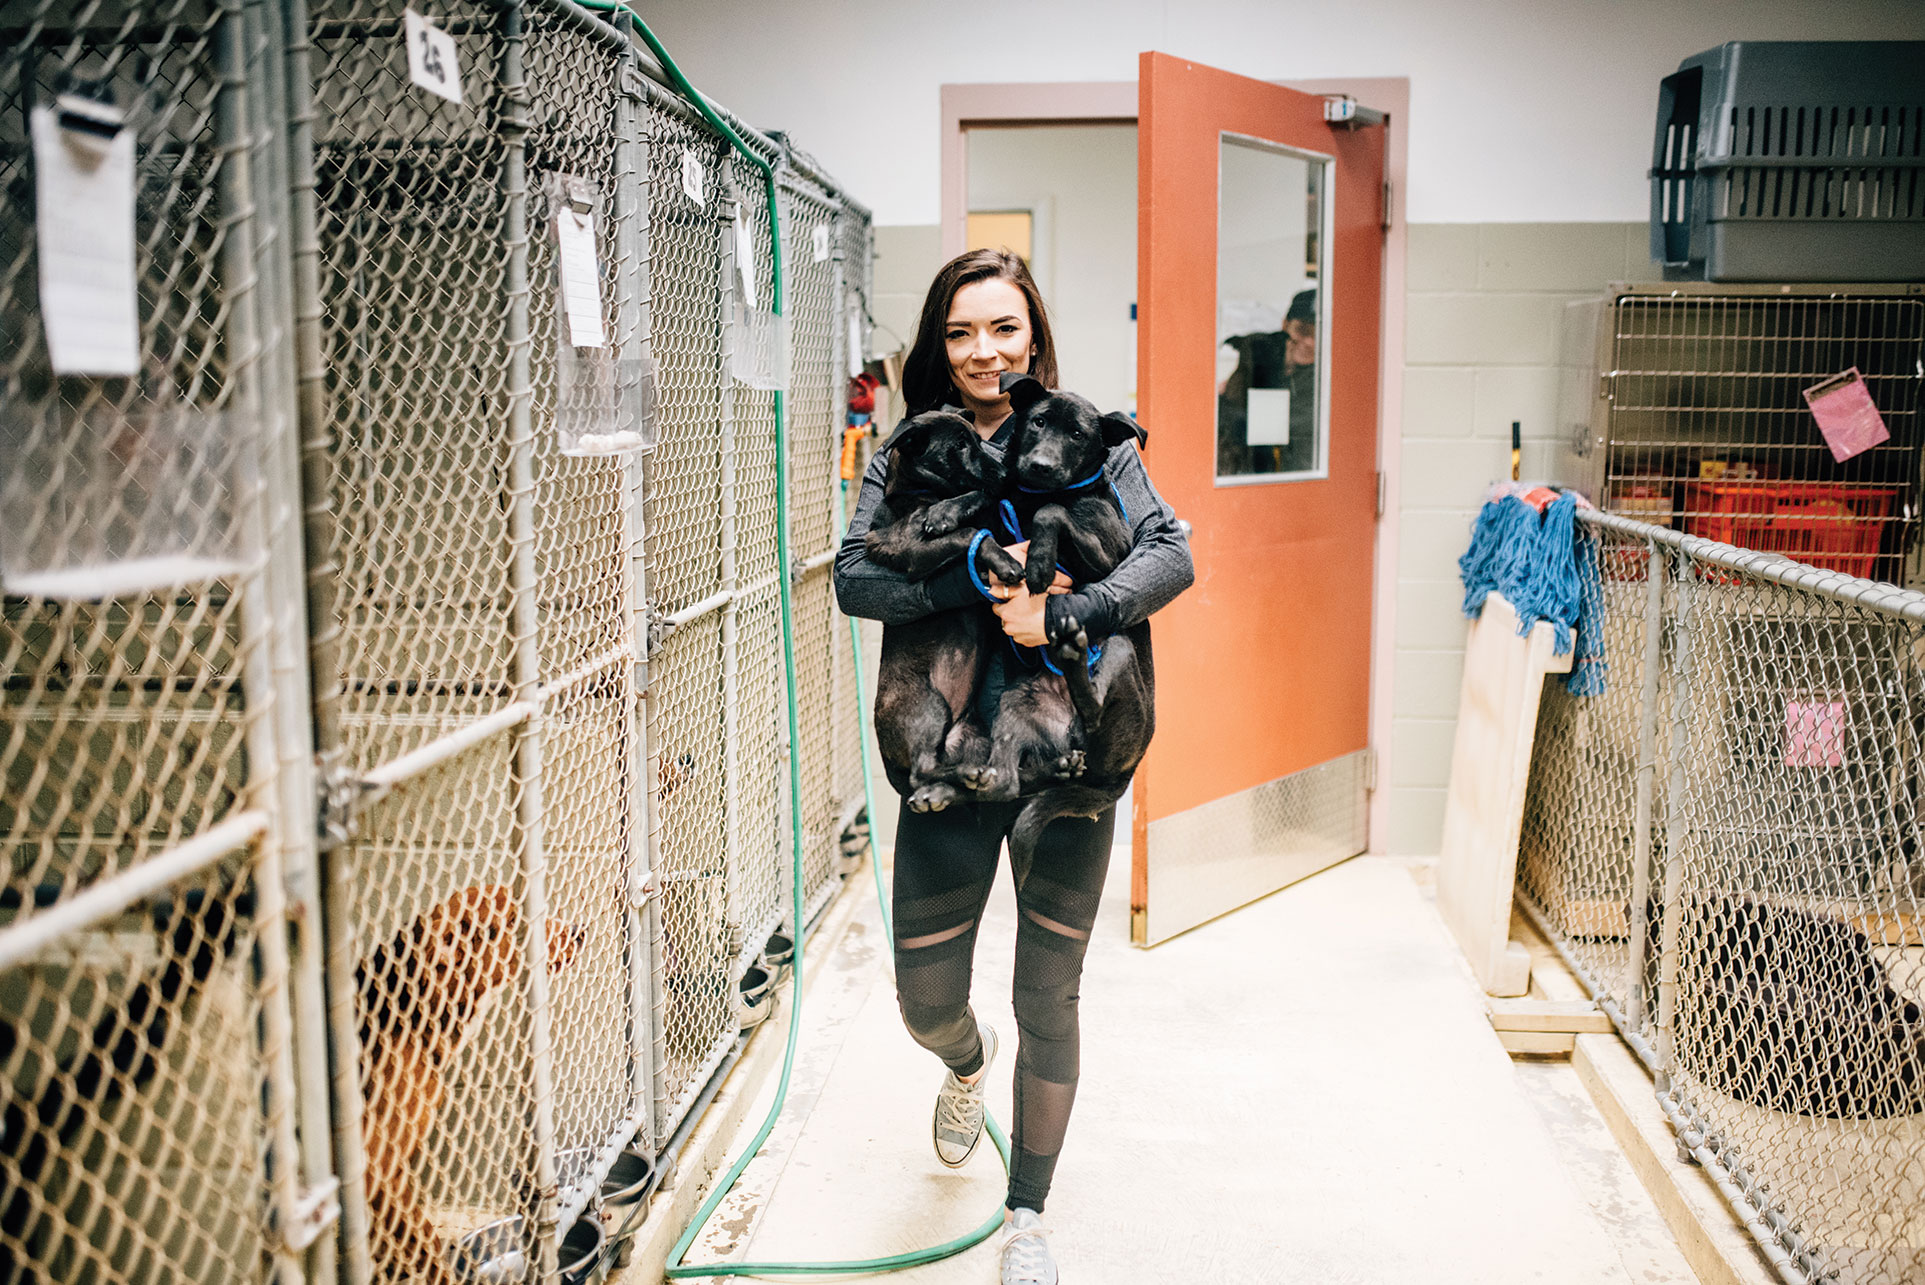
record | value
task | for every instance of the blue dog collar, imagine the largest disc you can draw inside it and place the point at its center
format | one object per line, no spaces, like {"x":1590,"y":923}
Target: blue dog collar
{"x":1091,"y":480}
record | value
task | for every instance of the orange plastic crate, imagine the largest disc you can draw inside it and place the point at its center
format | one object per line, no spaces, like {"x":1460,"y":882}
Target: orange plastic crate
{"x":1834,"y":527}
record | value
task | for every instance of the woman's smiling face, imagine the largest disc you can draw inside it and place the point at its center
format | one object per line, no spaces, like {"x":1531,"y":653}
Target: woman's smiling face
{"x":988,"y":334}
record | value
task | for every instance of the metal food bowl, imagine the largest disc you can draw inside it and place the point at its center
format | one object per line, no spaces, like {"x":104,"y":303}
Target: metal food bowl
{"x":584,"y":1258}
{"x":494,"y":1254}
{"x":755,"y":998}
{"x":629,"y":1180}
{"x":497,"y":1254}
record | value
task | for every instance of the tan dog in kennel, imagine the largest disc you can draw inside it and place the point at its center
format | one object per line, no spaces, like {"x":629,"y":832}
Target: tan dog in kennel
{"x":419,"y":992}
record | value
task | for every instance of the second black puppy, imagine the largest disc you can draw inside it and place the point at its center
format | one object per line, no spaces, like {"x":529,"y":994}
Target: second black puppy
{"x":1081,"y":709}
{"x":942,"y":484}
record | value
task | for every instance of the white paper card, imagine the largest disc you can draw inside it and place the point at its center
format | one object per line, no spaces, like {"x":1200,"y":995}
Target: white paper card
{"x":84,"y":216}
{"x":856,"y":354}
{"x":1268,"y":423}
{"x":820,"y":239}
{"x":759,"y":356}
{"x":694,"y":181}
{"x":432,"y":63}
{"x":581,"y":278}
{"x":744,"y":260}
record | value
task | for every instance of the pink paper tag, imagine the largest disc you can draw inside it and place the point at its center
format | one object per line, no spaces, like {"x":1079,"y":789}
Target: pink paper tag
{"x":1845,"y":414}
{"x":1814,"y":733}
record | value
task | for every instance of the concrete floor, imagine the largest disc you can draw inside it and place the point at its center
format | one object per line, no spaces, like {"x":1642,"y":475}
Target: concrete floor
{"x":1304,"y":1091}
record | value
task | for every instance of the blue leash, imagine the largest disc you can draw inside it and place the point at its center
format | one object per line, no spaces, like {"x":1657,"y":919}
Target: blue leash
{"x":1030,"y":657}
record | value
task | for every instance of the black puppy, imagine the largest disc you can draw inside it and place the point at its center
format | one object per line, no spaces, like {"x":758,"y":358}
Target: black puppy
{"x":197,"y":933}
{"x":1082,"y":712}
{"x":941,"y":484}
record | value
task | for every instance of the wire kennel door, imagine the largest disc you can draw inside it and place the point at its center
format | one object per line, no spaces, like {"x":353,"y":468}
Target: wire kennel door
{"x":1699,"y":423}
{"x":715,"y":696}
{"x":157,"y":949}
{"x":1724,"y":844}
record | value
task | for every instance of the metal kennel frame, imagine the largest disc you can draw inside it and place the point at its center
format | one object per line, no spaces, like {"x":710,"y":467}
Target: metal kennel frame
{"x":1684,"y":408}
{"x":414,"y":639}
{"x":1725,"y":845}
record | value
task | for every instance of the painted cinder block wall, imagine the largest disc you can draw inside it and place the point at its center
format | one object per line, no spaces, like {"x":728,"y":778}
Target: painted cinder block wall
{"x":1484,"y":304}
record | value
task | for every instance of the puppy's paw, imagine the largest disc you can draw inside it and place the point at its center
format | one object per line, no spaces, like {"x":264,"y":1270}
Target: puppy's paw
{"x":932,"y":798}
{"x":1074,"y":646}
{"x":979,"y":777}
{"x":937,"y":520}
{"x":988,"y":784}
{"x":1070,"y":766}
{"x":1039,"y":576}
{"x":994,"y":561}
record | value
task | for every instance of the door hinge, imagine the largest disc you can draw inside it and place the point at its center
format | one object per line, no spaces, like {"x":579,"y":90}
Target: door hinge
{"x":1389,"y":194}
{"x":1382,"y":489}
{"x":1370,"y":770}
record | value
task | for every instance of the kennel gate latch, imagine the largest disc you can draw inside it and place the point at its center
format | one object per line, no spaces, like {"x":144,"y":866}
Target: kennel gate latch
{"x":315,"y":1210}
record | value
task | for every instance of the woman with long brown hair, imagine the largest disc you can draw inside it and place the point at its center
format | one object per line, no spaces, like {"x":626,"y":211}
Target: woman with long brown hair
{"x":983,"y":318}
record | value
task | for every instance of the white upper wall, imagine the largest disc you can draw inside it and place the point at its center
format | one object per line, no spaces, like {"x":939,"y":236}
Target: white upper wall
{"x":1522,"y":111}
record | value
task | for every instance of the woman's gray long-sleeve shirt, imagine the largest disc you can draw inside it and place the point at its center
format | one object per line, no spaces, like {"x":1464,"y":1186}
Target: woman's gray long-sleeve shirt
{"x":1155,"y":570}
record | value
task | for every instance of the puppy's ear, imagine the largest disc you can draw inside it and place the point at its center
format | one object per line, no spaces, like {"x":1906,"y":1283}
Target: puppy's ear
{"x":1119,"y":428}
{"x":1024,"y":390}
{"x":910,"y":435}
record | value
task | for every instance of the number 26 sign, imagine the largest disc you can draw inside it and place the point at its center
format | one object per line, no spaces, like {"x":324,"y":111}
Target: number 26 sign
{"x":431,"y":57}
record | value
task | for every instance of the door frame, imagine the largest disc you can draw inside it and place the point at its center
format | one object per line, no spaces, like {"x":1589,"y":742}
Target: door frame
{"x":994,"y":106}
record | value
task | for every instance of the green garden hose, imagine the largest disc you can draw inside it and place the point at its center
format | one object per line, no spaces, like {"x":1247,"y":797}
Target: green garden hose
{"x":895,"y":1262}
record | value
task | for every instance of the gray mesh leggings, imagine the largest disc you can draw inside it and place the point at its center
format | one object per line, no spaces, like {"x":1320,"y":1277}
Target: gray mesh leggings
{"x":945,"y":864}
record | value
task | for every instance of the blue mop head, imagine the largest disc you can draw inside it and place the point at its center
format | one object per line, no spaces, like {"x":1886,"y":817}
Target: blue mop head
{"x":1512,"y":566}
{"x":1474,"y":568}
{"x":1549,"y":590}
{"x":1588,"y":667}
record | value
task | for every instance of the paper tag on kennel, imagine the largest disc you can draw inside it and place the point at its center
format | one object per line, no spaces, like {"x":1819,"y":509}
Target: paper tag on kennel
{"x":1268,"y":421}
{"x":581,"y":272}
{"x":84,"y":220}
{"x":819,"y":242}
{"x":694,"y":181}
{"x":744,"y":260}
{"x":1814,"y":733}
{"x":432,"y":61}
{"x":1842,"y":405}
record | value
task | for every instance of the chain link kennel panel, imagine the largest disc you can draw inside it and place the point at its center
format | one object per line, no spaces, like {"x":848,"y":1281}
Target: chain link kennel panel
{"x":150,"y":1127}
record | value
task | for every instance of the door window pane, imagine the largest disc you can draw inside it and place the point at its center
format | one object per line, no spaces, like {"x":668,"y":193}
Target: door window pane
{"x":1272,"y":281}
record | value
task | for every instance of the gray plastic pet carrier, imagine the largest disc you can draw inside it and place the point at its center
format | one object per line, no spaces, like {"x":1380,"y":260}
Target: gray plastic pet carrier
{"x":1792,"y":161}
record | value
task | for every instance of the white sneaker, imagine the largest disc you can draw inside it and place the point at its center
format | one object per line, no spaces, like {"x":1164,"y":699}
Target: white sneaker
{"x":1025,"y":1250}
{"x":958,"y":1125}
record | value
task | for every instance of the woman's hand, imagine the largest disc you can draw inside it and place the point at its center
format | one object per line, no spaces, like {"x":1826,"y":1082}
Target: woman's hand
{"x":1022,"y":614}
{"x":1061,"y":584}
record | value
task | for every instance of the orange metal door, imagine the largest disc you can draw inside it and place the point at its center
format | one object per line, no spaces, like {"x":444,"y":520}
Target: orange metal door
{"x":1258,"y":772}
